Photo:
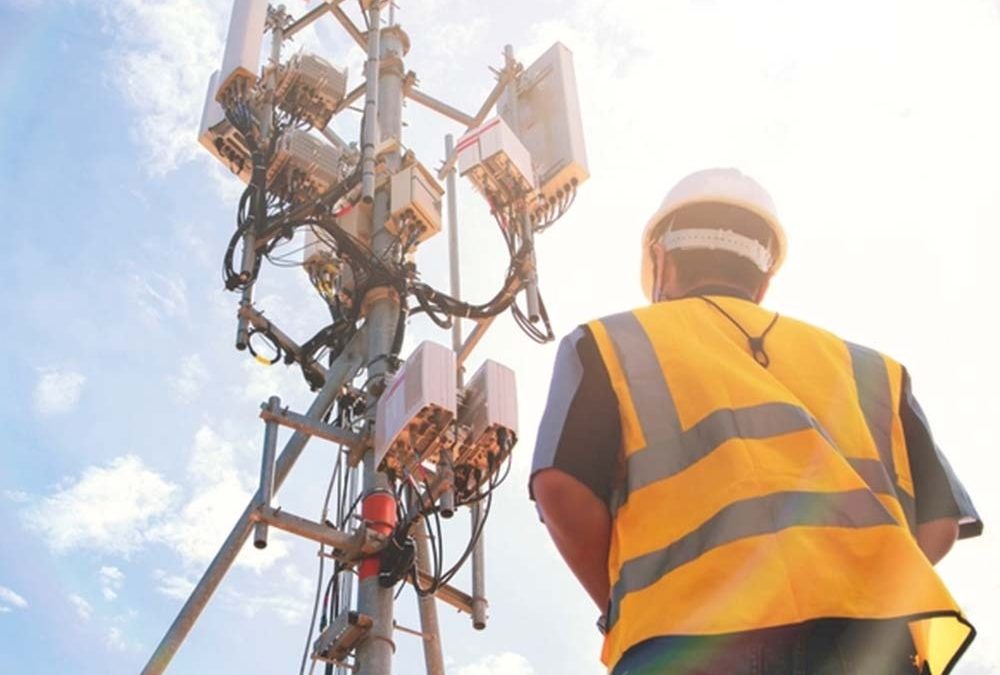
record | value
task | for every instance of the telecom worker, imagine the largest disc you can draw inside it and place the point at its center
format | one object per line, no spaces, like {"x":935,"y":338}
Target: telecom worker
{"x":741,"y":492}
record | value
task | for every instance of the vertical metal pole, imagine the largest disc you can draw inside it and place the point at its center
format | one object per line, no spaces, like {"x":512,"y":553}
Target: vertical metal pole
{"x":246,"y":298}
{"x":509,"y":63}
{"x":374,"y":654}
{"x":370,"y":128}
{"x":266,"y":491}
{"x":453,"y":252}
{"x":479,"y":603}
{"x":445,"y":465}
{"x":427,"y":604}
{"x":347,"y":577}
{"x":527,"y":234}
{"x":531,"y":287}
{"x":249,"y":239}
{"x":341,"y":371}
{"x":446,"y":473}
{"x":479,"y":551}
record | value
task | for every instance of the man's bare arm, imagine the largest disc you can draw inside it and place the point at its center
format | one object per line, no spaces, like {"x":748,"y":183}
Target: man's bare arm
{"x":936,"y":537}
{"x":580,"y":525}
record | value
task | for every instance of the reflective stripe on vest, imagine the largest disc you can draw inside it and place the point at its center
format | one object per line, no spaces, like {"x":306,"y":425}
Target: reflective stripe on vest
{"x":874,"y":394}
{"x":747,"y":518}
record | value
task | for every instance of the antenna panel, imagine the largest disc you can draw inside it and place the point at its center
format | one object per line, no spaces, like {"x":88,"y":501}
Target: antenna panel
{"x":241,"y":59}
{"x":416,"y":408}
{"x":311,"y":88}
{"x":220,"y":138}
{"x":546,"y":117}
{"x":303,"y":166}
{"x":496,"y":162}
{"x":489,"y":415}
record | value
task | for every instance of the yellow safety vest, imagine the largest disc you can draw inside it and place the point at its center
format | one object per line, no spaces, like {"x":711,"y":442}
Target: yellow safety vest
{"x":757,"y":497}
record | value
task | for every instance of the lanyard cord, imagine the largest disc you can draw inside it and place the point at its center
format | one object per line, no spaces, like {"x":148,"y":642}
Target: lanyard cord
{"x":756,"y":343}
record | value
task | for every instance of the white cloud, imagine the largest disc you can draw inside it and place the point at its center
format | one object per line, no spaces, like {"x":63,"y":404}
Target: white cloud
{"x":507,"y":663}
{"x":162,"y":55}
{"x":121,"y":507}
{"x":159,"y":296}
{"x":9,"y":600}
{"x":289,"y":608}
{"x":114,"y":639}
{"x":58,"y":391}
{"x":220,"y":493}
{"x":186,"y":384}
{"x":17,"y":496}
{"x":195,"y":248}
{"x":81,"y":606}
{"x":108,"y":508}
{"x":228,"y":187}
{"x":290,"y":599}
{"x":300,"y":582}
{"x":265,"y":381}
{"x":111,"y":580}
{"x":173,"y":586}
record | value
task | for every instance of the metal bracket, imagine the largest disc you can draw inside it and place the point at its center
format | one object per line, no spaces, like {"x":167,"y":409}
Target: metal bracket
{"x":257,"y":320}
{"x":504,"y":78}
{"x":348,"y":547}
{"x":437,"y":106}
{"x":448,"y":594}
{"x":328,"y":432}
{"x":341,"y":637}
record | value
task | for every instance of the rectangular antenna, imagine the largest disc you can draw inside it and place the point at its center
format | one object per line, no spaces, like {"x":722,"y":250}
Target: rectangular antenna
{"x":243,"y":42}
{"x":546,"y":117}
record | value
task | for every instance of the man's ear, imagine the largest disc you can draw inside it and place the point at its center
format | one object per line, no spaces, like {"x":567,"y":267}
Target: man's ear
{"x":659,"y":267}
{"x":763,"y":289}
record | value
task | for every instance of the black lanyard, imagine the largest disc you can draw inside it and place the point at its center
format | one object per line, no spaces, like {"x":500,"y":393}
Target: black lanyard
{"x":756,"y":343}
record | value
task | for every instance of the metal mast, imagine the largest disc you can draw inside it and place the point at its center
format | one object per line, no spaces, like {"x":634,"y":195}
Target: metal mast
{"x":385,"y":85}
{"x":250,"y":121}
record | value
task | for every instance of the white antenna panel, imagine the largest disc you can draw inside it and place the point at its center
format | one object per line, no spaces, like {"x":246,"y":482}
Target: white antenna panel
{"x":489,"y":408}
{"x":212,"y":113}
{"x":311,"y":88}
{"x":546,"y":117}
{"x":495,"y":161}
{"x":246,"y":33}
{"x":417,"y":407}
{"x":303,"y":166}
{"x":220,"y":138}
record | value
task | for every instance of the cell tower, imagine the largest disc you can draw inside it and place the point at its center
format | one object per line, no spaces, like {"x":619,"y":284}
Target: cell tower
{"x":422,"y":442}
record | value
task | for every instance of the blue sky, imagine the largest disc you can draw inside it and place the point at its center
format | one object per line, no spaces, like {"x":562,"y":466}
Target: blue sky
{"x":129,"y":438}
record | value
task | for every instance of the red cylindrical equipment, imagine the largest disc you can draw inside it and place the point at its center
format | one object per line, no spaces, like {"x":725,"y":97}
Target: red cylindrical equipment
{"x":378,"y":510}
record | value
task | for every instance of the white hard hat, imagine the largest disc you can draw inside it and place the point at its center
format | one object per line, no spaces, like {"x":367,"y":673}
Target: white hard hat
{"x":720,"y":186}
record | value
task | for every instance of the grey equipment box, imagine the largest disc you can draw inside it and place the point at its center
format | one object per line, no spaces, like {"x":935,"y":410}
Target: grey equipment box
{"x":546,"y":118}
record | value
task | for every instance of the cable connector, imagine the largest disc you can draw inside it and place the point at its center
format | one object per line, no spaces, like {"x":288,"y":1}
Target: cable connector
{"x":397,"y":558}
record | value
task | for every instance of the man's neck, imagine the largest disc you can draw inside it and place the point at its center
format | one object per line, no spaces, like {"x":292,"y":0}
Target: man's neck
{"x":718,"y":289}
